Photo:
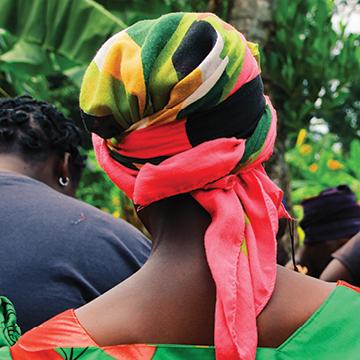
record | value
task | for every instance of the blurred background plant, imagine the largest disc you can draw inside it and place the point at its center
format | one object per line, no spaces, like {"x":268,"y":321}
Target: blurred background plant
{"x":310,"y":62}
{"x":319,"y":162}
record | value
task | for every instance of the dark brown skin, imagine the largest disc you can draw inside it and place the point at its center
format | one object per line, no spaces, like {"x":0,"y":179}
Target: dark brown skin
{"x":172,"y":298}
{"x":47,"y":171}
{"x":336,"y":270}
{"x":316,"y":257}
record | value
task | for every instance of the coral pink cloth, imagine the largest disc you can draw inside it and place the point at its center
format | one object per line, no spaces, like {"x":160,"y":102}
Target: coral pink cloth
{"x":245,"y":207}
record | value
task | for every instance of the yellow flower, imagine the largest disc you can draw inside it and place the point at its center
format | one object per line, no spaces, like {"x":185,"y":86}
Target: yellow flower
{"x":116,"y":213}
{"x":334,"y":165}
{"x":305,"y":149}
{"x":301,"y":137}
{"x":313,"y":168}
{"x":302,"y":269}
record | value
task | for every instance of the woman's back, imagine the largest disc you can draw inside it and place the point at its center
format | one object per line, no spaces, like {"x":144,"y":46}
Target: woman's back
{"x":323,"y":330}
{"x":183,"y":313}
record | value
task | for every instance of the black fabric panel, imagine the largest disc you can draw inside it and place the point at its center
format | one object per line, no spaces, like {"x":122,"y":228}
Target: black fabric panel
{"x":104,"y":126}
{"x":198,"y":41}
{"x":130,"y":161}
{"x":237,"y":116}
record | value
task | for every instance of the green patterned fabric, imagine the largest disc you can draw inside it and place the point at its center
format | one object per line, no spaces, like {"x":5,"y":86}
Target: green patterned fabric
{"x":331,"y":333}
{"x":9,"y":330}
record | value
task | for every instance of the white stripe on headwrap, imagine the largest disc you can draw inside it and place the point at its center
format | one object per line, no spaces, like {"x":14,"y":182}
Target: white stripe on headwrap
{"x":212,"y":67}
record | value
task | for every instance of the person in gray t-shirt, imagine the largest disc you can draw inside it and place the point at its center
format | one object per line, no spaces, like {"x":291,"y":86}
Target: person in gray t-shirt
{"x":56,"y":252}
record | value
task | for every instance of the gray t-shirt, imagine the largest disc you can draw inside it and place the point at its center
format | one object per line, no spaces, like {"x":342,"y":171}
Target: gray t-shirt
{"x":57,"y":252}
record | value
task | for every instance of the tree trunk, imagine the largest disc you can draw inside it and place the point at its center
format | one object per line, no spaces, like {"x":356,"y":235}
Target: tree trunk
{"x":252,"y":18}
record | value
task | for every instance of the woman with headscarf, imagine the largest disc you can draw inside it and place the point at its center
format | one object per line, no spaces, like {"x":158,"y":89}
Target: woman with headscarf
{"x":182,"y":126}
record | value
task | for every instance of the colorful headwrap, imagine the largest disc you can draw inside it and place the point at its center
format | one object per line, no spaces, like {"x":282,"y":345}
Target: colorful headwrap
{"x":183,"y":97}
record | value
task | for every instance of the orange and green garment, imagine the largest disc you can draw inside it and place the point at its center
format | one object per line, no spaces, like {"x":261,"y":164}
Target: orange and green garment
{"x":331,"y":333}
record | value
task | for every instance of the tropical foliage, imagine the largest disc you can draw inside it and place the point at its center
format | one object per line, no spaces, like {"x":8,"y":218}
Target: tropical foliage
{"x":313,"y":71}
{"x":318,"y":162}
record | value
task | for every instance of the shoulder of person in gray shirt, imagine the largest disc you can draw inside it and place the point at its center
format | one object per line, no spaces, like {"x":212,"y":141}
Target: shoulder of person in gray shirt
{"x":58,"y":252}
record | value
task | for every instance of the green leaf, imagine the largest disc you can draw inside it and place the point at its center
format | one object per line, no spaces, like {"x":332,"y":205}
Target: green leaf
{"x":74,"y":29}
{"x":75,"y":74}
{"x":27,"y":59}
{"x":354,"y":158}
{"x":50,"y":38}
{"x":305,"y":109}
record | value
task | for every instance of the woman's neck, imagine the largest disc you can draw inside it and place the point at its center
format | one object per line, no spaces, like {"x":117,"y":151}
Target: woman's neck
{"x":179,"y":234}
{"x":12,"y":163}
{"x":172,"y":298}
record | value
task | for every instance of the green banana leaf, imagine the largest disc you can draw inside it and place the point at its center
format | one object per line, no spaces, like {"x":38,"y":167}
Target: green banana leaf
{"x":72,"y":28}
{"x":52,"y":36}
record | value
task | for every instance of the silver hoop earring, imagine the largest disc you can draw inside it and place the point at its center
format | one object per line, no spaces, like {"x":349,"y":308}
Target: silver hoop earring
{"x":64,"y":182}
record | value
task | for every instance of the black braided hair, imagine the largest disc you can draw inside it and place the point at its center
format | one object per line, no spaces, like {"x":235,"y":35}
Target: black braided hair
{"x":35,"y":129}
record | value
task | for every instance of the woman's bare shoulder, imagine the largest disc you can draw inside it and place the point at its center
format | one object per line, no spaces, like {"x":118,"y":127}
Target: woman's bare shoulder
{"x":296,"y":297}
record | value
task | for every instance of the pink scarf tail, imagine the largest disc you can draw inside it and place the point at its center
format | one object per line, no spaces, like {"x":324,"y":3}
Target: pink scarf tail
{"x":242,"y":233}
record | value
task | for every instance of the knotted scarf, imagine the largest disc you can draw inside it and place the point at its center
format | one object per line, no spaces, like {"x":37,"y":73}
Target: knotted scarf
{"x":177,"y":106}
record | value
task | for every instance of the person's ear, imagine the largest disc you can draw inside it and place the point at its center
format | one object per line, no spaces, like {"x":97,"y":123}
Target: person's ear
{"x":64,"y":175}
{"x":63,"y":169}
